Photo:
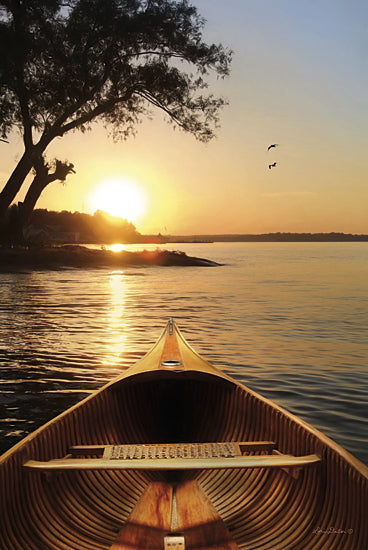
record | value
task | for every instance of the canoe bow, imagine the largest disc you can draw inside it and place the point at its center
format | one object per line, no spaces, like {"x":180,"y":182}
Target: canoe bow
{"x":174,"y":453}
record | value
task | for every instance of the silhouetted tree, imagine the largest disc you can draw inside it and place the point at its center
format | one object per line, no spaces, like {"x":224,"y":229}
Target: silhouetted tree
{"x":64,"y":65}
{"x":42,"y":178}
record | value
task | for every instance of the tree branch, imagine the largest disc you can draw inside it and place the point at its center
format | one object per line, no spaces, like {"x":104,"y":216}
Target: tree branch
{"x":97,"y":111}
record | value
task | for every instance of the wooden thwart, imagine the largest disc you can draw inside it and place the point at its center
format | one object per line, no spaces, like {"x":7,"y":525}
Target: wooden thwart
{"x":181,"y":456}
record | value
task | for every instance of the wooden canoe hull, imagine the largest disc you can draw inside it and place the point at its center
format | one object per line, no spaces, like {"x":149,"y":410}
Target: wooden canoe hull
{"x":174,"y":396}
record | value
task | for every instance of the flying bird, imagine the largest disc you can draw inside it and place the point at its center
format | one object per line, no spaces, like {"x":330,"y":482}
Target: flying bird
{"x":272,"y":165}
{"x":273,"y":145}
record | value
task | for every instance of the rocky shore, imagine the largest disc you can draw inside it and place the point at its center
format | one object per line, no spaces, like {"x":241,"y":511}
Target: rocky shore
{"x":77,"y":256}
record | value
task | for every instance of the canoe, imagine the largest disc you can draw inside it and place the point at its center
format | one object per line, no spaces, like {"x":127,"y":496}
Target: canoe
{"x":175,"y":454}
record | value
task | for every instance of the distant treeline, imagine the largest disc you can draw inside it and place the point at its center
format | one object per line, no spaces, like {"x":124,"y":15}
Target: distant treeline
{"x":104,"y":229}
{"x":83,"y":228}
{"x":273,"y":237}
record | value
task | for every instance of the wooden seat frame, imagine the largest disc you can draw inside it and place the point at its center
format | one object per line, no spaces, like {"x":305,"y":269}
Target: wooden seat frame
{"x":174,"y":456}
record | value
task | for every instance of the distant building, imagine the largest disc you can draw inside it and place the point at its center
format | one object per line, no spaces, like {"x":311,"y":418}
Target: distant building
{"x":51,"y":234}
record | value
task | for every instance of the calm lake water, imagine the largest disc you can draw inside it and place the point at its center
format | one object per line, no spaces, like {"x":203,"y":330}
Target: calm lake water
{"x":290,"y":320}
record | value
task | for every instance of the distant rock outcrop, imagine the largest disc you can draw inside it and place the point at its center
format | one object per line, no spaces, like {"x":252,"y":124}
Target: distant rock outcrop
{"x":82,"y":257}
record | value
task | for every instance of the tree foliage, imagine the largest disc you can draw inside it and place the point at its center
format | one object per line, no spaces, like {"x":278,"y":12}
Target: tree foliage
{"x":65,"y":65}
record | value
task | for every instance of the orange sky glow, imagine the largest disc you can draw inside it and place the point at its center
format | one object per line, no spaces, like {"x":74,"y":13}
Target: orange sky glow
{"x":298,"y":79}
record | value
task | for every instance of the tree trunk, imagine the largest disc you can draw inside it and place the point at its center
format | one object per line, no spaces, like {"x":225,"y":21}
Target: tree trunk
{"x":33,"y":194}
{"x":15,"y":182}
{"x":21,"y":171}
{"x":41,"y":180}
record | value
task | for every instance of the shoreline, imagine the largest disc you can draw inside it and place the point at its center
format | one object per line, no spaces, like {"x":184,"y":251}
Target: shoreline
{"x":77,"y":256}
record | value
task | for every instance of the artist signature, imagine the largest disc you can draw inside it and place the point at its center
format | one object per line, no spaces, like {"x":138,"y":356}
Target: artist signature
{"x":332,"y":531}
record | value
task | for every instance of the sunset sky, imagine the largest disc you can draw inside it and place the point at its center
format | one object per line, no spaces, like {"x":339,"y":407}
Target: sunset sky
{"x":299,"y":78}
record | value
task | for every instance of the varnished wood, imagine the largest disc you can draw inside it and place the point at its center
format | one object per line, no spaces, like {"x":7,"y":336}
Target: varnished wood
{"x":149,"y":521}
{"x":199,"y":522}
{"x":159,"y":401}
{"x":264,"y":461}
{"x":196,"y":520}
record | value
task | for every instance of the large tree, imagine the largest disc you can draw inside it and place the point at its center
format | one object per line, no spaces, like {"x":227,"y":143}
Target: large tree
{"x":66,"y":64}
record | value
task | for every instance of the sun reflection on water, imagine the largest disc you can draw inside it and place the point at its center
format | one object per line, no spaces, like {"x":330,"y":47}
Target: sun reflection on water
{"x":116,"y":324}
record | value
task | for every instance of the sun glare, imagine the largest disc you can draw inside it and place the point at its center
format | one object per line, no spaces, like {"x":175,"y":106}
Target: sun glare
{"x":117,"y":247}
{"x":120,"y":198}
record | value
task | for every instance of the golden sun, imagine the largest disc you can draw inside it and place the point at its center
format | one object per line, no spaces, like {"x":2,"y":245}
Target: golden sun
{"x":120,"y":198}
